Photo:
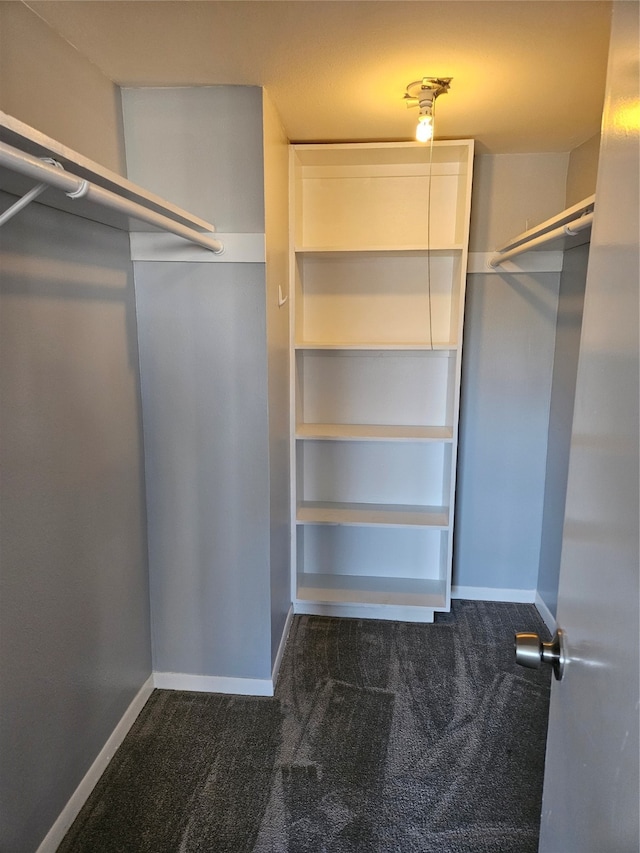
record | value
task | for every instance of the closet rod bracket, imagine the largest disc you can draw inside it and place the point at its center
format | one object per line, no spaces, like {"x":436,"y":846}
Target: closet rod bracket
{"x":82,"y":190}
{"x":29,"y":196}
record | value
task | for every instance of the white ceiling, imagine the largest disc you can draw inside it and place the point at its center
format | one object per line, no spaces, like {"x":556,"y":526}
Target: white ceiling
{"x":527,"y":75}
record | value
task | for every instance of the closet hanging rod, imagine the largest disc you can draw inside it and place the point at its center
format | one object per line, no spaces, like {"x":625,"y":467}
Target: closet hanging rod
{"x":569,"y":229}
{"x":75,"y":187}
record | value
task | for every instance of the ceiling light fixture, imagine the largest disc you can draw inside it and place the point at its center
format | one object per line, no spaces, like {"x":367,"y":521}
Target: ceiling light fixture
{"x":422,"y":94}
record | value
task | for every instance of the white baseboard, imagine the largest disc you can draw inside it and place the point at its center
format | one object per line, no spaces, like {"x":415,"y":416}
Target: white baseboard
{"x":283,"y":642}
{"x":545,"y":614}
{"x":485,"y":593}
{"x":213,"y":684}
{"x":79,"y":797}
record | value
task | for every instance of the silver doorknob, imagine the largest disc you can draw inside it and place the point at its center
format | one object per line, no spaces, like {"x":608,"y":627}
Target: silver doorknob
{"x":532,"y":652}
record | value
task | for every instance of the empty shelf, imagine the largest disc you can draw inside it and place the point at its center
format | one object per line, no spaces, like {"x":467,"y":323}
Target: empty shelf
{"x":372,"y":515}
{"x":367,"y":589}
{"x":373,"y":432}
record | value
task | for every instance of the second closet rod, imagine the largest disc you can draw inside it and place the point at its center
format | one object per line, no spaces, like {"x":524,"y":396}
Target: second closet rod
{"x":75,"y":188}
{"x":567,"y":230}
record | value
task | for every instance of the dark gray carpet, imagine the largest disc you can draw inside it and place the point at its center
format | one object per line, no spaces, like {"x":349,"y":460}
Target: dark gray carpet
{"x":383,"y":736}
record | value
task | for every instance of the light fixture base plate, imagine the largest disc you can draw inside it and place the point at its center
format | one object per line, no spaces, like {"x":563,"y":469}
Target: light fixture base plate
{"x":428,"y":88}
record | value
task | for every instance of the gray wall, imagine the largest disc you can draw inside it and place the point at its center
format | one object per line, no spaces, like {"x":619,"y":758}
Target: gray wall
{"x":514,"y":192}
{"x":581,"y":182}
{"x":522,"y":334}
{"x":47,"y":84}
{"x":74,"y":601}
{"x":74,"y":605}
{"x":510,"y":324}
{"x":214,"y":380}
{"x":204,"y":389}
{"x":583,"y":170}
{"x":506,"y":388}
{"x":565,"y":367}
{"x":201,"y":148}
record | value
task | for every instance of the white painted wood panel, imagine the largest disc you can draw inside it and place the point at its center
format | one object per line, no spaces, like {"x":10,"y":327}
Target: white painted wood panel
{"x":443,"y":155}
{"x":388,"y":553}
{"x":373,"y":472}
{"x":347,"y":212}
{"x":375,"y":388}
{"x":376,"y":297}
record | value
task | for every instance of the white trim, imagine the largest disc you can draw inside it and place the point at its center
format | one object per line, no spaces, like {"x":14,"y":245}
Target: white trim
{"x":283,"y":642}
{"x":545,"y":614}
{"x":213,"y":684}
{"x":478,"y":262}
{"x":238,"y":248}
{"x":487,"y":593}
{"x":81,"y":794}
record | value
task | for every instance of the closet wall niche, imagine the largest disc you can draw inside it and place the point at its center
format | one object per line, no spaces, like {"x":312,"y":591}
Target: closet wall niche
{"x":379,"y":235}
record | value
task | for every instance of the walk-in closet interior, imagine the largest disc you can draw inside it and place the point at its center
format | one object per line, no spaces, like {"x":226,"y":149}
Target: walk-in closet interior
{"x":249,"y":371}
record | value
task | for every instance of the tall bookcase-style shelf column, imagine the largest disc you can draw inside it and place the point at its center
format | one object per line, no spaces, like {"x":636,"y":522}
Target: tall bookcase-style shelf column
{"x":379,"y":235}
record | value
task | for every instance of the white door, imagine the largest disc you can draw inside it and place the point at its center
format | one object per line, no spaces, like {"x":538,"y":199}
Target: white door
{"x":590,"y":800}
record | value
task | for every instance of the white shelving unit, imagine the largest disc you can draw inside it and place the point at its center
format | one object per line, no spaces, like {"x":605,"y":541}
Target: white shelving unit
{"x":379,"y":235}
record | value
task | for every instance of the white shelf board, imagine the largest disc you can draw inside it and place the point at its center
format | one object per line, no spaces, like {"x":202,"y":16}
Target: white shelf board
{"x":417,"y":346}
{"x":373,"y":432}
{"x":367,"y":589}
{"x":337,"y":251}
{"x":372,"y":153}
{"x":19,"y":135}
{"x":372,"y":515}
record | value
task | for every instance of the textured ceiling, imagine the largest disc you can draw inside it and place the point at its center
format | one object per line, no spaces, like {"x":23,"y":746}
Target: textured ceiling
{"x":527,"y":75}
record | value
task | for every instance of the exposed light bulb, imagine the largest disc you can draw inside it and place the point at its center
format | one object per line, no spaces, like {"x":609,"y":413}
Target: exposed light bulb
{"x":424,"y":130}
{"x":423,"y":93}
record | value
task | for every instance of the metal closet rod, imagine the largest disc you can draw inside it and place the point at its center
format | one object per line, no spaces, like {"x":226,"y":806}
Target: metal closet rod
{"x":75,"y":188}
{"x":569,"y":229}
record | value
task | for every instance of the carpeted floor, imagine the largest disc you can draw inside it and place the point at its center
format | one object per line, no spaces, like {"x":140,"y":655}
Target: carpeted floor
{"x":382,"y":737}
